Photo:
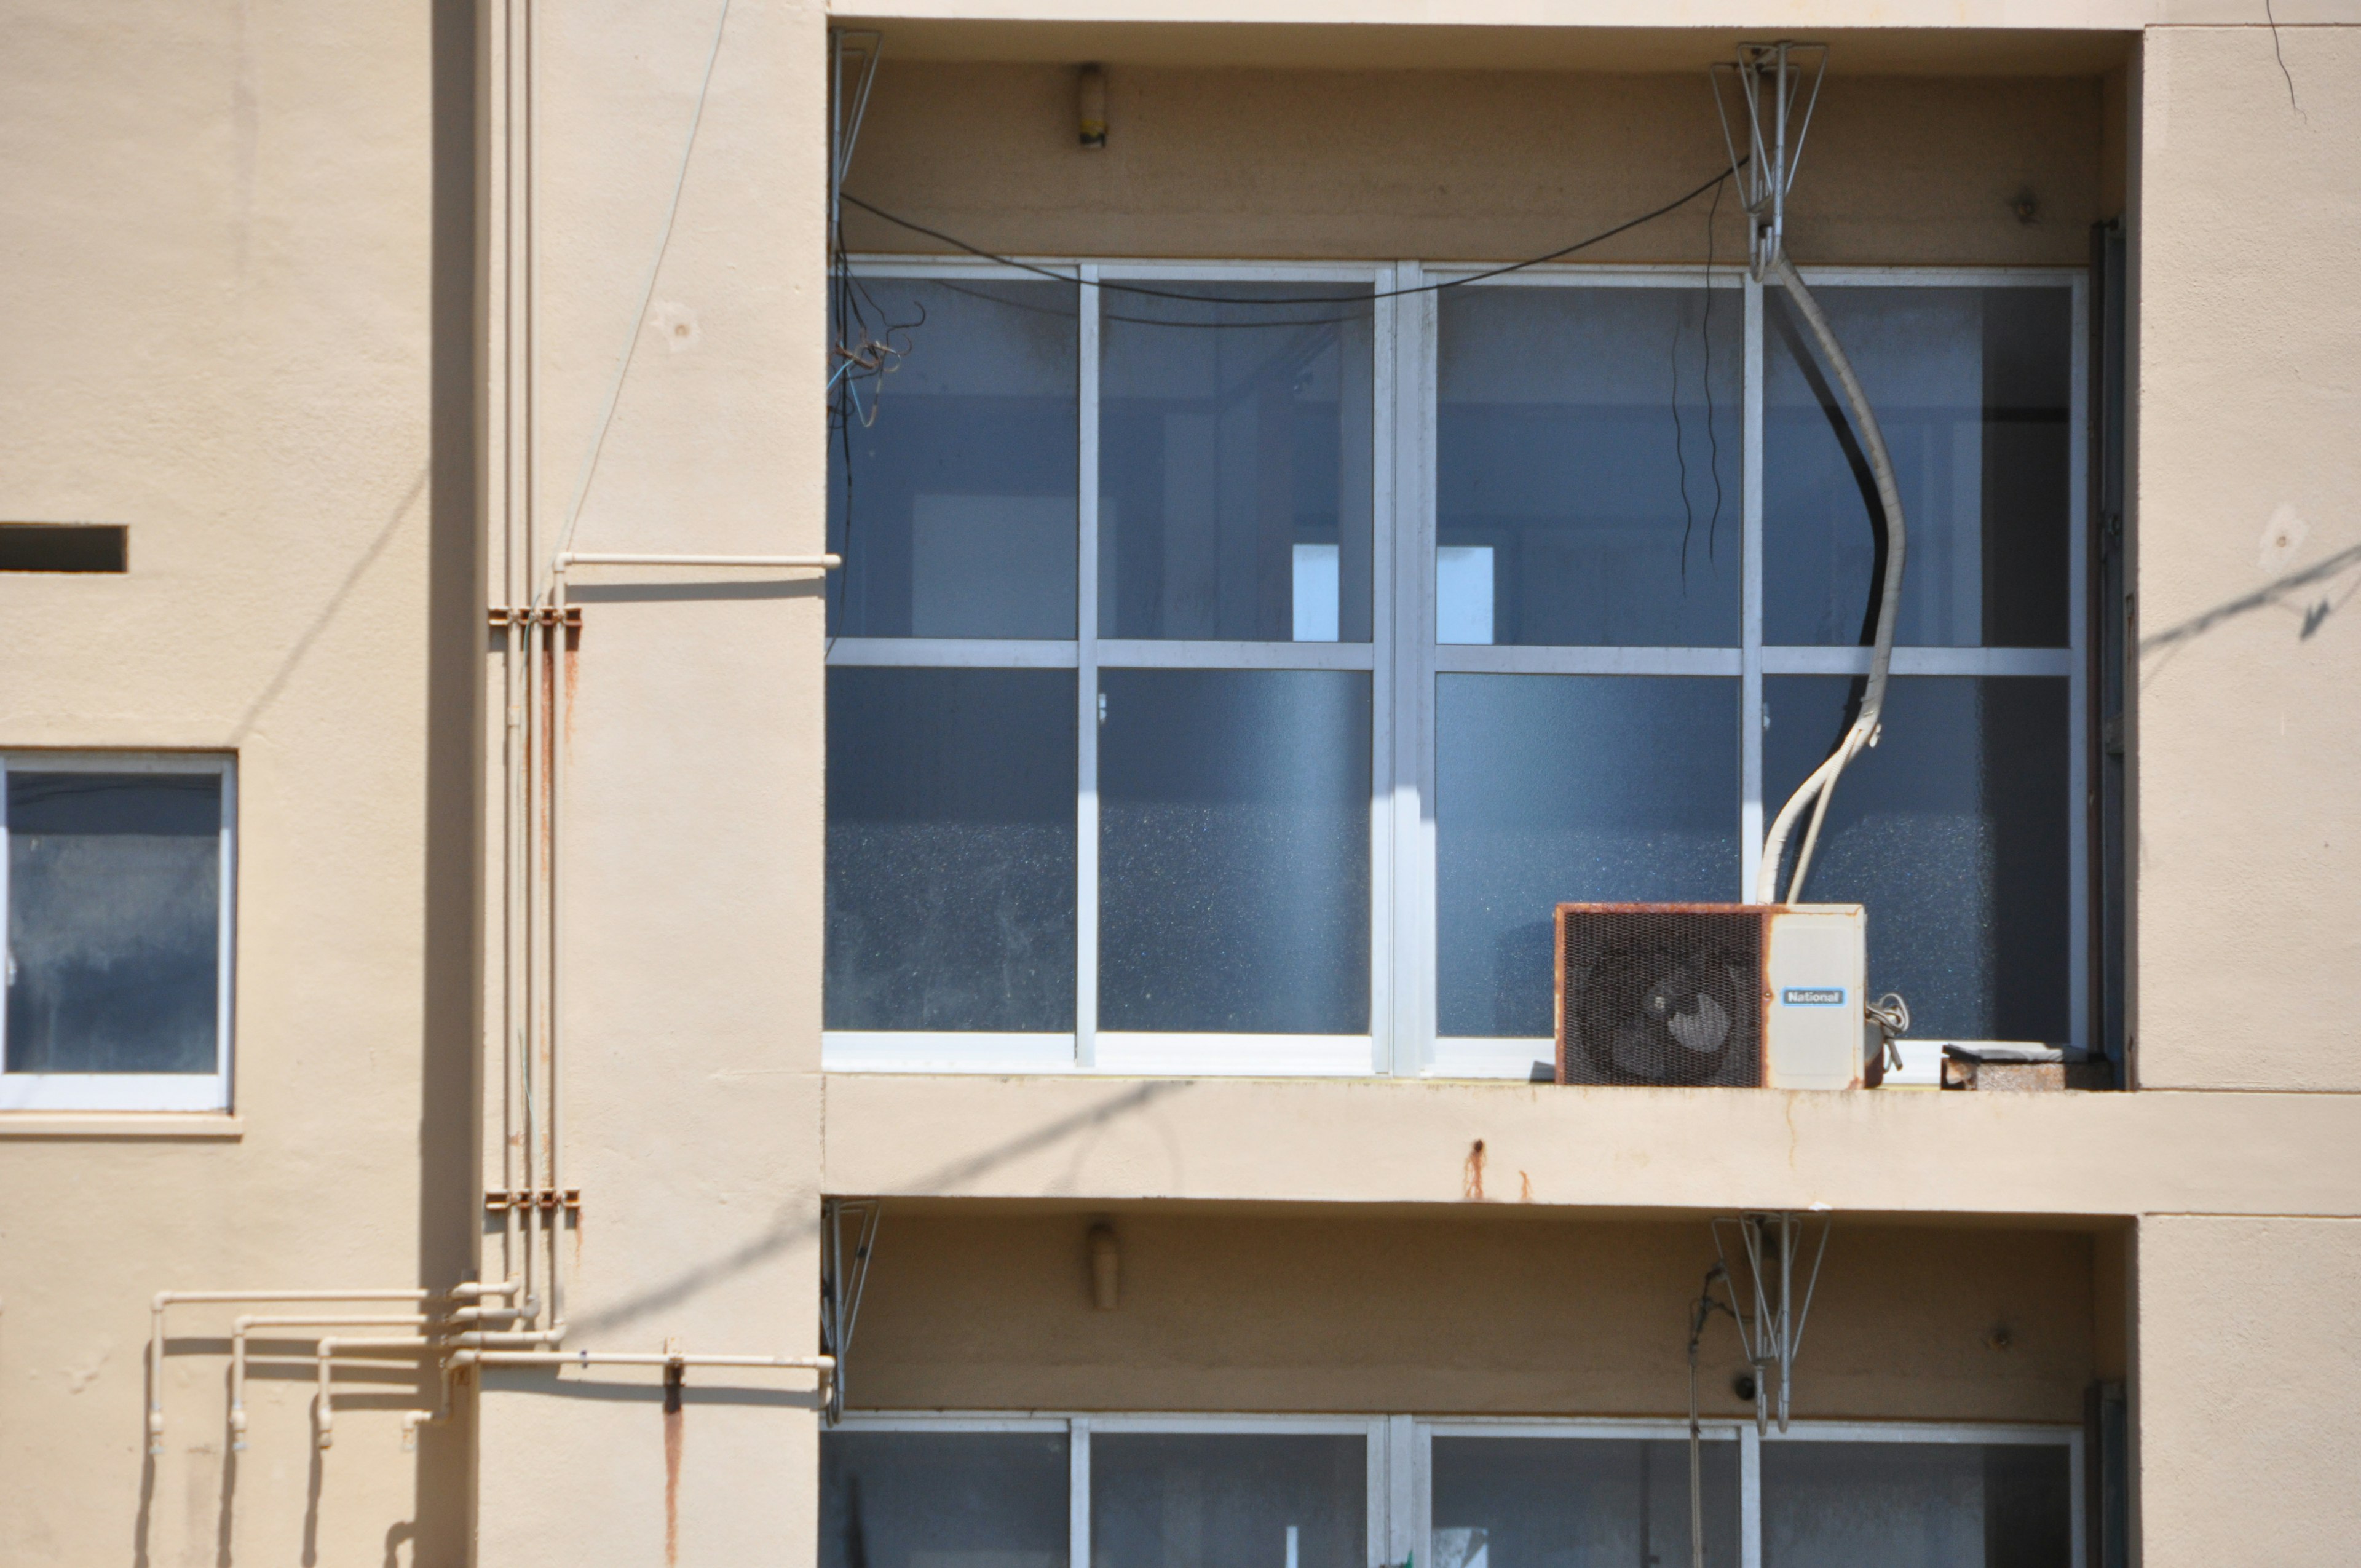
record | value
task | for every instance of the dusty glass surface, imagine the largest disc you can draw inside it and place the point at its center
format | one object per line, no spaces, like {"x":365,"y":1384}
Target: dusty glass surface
{"x":1553,"y":789}
{"x":951,"y":486}
{"x":1235,"y":461}
{"x":950,"y":849}
{"x":1953,"y":832}
{"x":1587,"y":466}
{"x":1972,"y":390}
{"x":1233,"y":860}
{"x":908,"y":1500}
{"x":1578,"y":1503}
{"x":1201,"y":1501}
{"x":114,"y":960}
{"x":1915,"y":1505}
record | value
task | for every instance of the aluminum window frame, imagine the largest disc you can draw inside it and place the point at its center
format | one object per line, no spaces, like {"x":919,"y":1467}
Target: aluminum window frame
{"x":136,"y":1091}
{"x":1400,"y":1449}
{"x":1126,"y":1053}
{"x":1403,"y":658}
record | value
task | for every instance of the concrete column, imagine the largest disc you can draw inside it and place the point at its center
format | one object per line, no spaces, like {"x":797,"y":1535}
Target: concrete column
{"x":691,"y":833}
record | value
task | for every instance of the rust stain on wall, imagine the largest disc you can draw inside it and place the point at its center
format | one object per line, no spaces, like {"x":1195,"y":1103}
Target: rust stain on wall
{"x":671,"y":1424}
{"x":1471,"y":1179}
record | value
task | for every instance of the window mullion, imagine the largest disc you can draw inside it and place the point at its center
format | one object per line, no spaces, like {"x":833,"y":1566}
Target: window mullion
{"x":1086,"y":687}
{"x":1078,"y":1485}
{"x":1413,"y":669}
{"x":1749,"y":676}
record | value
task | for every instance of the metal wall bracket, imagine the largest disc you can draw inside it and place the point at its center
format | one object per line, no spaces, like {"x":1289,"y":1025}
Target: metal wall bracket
{"x":844,"y":1271}
{"x":546,"y":1199}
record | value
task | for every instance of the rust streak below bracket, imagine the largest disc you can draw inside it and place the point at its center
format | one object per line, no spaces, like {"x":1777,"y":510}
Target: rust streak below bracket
{"x":544,"y":1197}
{"x":534,"y":615}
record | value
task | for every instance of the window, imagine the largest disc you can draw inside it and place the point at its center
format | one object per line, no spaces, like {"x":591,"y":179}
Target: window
{"x":1298,"y":1492}
{"x":1234,"y":664}
{"x":117,"y":888}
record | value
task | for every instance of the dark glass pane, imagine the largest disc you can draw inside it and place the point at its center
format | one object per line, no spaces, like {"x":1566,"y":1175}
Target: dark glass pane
{"x":1953,"y":832}
{"x":955,"y":503}
{"x":1915,"y":1505}
{"x":1583,"y":494}
{"x":1184,"y":1500}
{"x":1234,"y":832}
{"x":1554,"y":789}
{"x":1973,"y":389}
{"x":950,"y":849}
{"x":1234,"y":465}
{"x":1578,"y":1502}
{"x":113,"y":961}
{"x":942,"y":1499}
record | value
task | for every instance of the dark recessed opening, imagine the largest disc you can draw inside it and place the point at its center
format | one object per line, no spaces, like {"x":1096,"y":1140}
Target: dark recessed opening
{"x":64,"y":547}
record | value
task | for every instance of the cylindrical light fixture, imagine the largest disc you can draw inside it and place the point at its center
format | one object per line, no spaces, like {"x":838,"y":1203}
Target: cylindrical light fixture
{"x":1090,"y":103}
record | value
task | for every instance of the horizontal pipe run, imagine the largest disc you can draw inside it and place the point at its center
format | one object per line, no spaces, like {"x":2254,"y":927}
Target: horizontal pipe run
{"x":476,"y":1290}
{"x":807,"y":562}
{"x":823,"y":1363}
{"x":247,"y":1324}
{"x":519,"y":1339}
{"x":164,"y":1298}
{"x":324,"y":1416}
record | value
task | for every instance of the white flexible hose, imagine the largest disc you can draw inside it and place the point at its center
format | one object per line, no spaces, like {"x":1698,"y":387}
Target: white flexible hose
{"x":1820,"y":787}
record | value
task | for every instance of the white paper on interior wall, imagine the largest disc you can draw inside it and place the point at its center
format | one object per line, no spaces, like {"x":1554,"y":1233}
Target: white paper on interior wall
{"x":991,"y":566}
{"x":1317,"y":595}
{"x":1461,"y":1549}
{"x":1463,"y":593}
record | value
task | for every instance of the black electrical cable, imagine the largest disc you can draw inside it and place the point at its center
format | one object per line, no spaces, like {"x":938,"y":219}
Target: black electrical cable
{"x":1604,"y":234}
{"x":1705,"y":333}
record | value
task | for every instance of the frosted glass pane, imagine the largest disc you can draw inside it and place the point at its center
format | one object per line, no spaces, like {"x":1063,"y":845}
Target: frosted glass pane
{"x":1229,"y":433}
{"x":954,"y":505}
{"x":1972,"y":392}
{"x":1953,"y":832}
{"x":1552,"y":789}
{"x":950,"y":849}
{"x":942,"y":1499}
{"x":1573,"y":439}
{"x":1913,"y":1505}
{"x":1578,"y":1503}
{"x":114,"y":959}
{"x":1234,"y":822}
{"x":1184,"y":1500}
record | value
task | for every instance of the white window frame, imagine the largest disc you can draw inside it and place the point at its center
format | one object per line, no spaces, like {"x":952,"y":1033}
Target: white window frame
{"x":1403,"y":658}
{"x":1401,"y":1456}
{"x":43,"y":1091}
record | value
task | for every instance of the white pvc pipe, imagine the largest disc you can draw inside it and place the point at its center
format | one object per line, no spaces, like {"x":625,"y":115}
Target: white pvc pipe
{"x":606,"y":558}
{"x":245,"y":1325}
{"x":323,"y":1412}
{"x":164,"y":1298}
{"x":1819,"y":788}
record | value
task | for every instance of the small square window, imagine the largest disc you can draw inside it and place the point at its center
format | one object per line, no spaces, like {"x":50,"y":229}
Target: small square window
{"x":116,"y":883}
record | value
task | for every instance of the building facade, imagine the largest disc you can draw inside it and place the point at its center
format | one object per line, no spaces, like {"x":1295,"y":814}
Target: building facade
{"x":786,"y":786}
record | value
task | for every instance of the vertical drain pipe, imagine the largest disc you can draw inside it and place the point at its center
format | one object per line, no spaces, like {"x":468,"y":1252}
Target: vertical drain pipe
{"x":561,"y":703}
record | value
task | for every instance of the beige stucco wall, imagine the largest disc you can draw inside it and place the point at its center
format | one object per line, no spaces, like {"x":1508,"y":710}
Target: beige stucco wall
{"x":1462,"y":165}
{"x":239,"y":275}
{"x":2247,"y":1438}
{"x":689,"y":839}
{"x":1508,"y":1312}
{"x":2247,"y":736}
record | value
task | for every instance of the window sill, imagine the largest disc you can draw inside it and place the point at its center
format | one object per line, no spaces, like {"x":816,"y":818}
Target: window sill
{"x":204,"y":1126}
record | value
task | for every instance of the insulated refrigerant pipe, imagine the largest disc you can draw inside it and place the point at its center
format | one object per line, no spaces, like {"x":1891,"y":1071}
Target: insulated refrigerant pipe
{"x":1816,"y":790}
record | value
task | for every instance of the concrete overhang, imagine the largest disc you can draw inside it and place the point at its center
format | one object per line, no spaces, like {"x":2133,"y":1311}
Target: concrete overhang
{"x":1400,"y":1141}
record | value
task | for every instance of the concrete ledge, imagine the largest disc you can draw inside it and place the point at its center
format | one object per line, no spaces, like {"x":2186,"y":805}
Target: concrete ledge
{"x":186,"y":1125}
{"x":1405,"y":1141}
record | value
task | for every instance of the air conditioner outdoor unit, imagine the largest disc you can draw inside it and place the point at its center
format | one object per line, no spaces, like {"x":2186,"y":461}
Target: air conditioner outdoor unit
{"x":1744,"y":995}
